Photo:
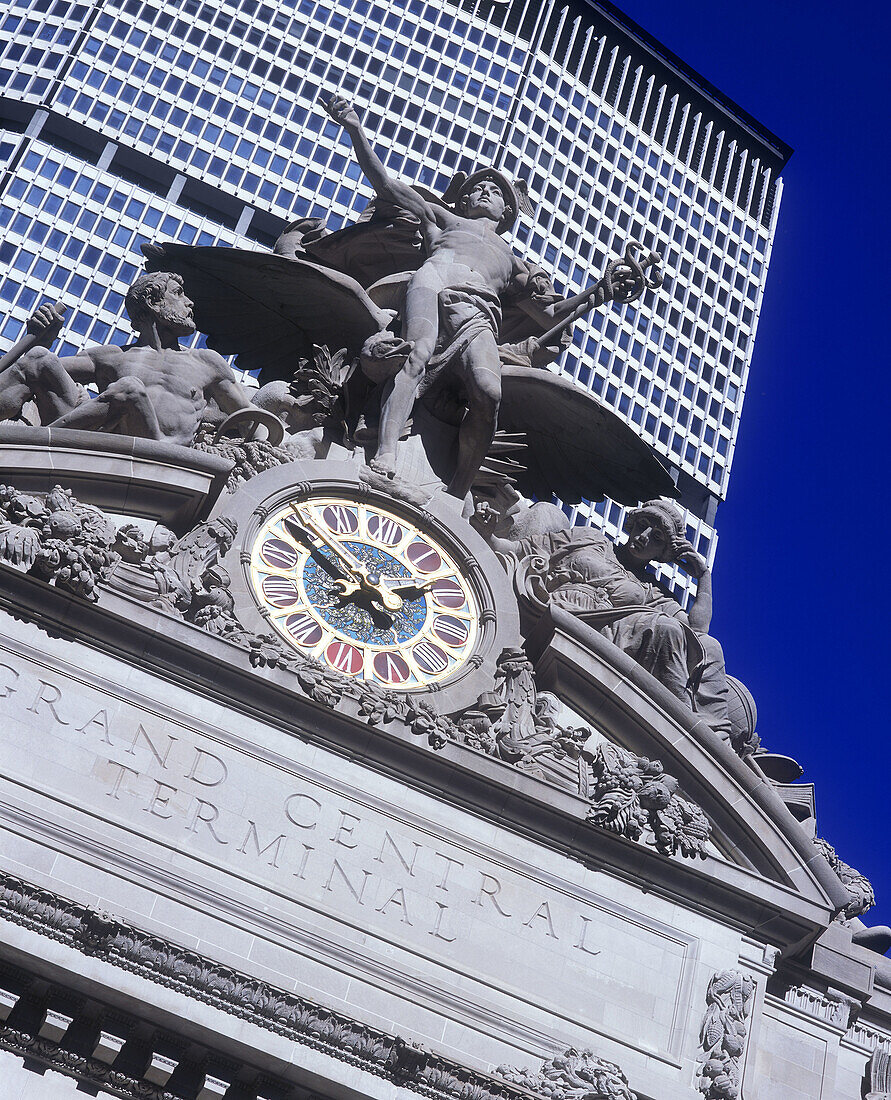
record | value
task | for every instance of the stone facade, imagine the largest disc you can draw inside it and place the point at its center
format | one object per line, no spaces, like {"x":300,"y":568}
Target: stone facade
{"x":278,"y":892}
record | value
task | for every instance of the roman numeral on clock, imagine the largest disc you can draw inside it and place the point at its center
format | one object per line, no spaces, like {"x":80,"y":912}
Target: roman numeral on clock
{"x":304,"y":629}
{"x":450,"y":630}
{"x":340,"y":520}
{"x":391,"y":667}
{"x":430,"y":658}
{"x":424,"y":557}
{"x":345,"y":658}
{"x":385,"y":530}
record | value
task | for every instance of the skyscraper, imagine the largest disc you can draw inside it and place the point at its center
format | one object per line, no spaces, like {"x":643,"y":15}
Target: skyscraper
{"x":126,"y":121}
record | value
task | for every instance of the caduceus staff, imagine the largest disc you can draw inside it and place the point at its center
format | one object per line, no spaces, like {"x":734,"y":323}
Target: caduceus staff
{"x":624,"y":281}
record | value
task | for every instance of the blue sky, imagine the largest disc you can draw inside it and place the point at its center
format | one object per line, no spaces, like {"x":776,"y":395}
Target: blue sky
{"x":803,"y":611}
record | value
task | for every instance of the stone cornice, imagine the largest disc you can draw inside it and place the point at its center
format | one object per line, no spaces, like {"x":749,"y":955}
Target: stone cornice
{"x":186,"y":972}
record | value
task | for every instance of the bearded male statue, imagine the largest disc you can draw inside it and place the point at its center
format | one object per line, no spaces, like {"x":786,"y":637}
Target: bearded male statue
{"x":151,"y":388}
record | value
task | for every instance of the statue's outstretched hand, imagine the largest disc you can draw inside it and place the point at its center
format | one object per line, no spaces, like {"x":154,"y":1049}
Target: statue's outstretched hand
{"x":620,"y":283}
{"x":690,"y":560}
{"x":342,"y":112}
{"x":46,"y":322}
{"x":485,"y":518}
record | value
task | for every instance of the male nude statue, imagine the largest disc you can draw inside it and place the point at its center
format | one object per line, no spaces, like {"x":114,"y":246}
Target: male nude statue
{"x":467,"y":268}
{"x":151,"y":388}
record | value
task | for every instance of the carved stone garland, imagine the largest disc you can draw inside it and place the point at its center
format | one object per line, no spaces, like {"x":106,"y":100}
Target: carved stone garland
{"x":575,"y":1075}
{"x":723,"y":1034}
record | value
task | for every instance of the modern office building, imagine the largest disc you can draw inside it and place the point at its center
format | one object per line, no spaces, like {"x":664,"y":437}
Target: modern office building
{"x":126,"y":121}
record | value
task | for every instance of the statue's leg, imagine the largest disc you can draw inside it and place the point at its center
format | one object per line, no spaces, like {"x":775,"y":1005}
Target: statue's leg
{"x":123,"y":407}
{"x":658,"y":643}
{"x":38,"y":375}
{"x":482,"y":379}
{"x":710,"y":699}
{"x":421,"y":329}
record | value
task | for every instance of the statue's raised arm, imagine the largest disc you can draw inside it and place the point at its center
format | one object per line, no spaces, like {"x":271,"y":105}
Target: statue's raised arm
{"x":386,"y":187}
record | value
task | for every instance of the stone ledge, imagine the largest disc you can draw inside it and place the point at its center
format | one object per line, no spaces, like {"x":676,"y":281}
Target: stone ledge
{"x":174,"y":485}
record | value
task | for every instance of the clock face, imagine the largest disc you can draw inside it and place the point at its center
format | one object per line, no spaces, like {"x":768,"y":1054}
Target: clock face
{"x":365,"y":591}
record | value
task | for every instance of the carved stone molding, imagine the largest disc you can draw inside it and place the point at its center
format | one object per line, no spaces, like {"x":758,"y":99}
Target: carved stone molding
{"x":250,"y":999}
{"x":833,"y":1006}
{"x":722,"y":1036}
{"x":633,"y":796}
{"x":89,"y":1071}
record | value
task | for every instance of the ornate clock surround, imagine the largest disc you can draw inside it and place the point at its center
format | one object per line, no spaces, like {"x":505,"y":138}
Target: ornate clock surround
{"x":497,"y":618}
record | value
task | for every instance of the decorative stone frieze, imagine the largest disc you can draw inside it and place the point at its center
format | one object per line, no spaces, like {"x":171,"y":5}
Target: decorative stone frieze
{"x":574,"y":1075}
{"x":259,"y":1003}
{"x":833,"y":1006}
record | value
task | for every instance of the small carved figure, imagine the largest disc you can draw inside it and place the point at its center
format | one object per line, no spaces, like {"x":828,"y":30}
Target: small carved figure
{"x":151,"y":388}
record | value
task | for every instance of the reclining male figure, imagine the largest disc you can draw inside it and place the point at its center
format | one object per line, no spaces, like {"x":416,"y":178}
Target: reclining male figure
{"x":151,"y":388}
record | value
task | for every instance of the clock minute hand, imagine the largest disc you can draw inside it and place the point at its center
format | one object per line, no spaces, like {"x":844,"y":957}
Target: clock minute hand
{"x":300,"y":534}
{"x":353,"y":566}
{"x":367,"y":580}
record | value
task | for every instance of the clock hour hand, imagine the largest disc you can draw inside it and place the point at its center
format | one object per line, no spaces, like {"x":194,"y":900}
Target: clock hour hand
{"x":347,"y":592}
{"x":411,"y":591}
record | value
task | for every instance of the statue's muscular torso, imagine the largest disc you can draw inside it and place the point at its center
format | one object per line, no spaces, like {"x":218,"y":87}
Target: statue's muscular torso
{"x":472,"y":247}
{"x":177,"y":382}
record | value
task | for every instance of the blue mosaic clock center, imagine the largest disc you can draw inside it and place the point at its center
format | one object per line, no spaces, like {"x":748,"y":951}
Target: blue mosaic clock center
{"x":348,"y":617}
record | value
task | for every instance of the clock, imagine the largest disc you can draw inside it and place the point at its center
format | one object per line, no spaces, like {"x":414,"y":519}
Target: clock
{"x":378,"y":588}
{"x":365,"y":590}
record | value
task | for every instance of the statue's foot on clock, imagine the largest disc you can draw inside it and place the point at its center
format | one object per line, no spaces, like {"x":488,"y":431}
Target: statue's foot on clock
{"x":384,"y":464}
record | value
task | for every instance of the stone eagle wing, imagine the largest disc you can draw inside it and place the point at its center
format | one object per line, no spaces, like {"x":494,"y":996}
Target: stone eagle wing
{"x":576,"y":447}
{"x":269,"y":310}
